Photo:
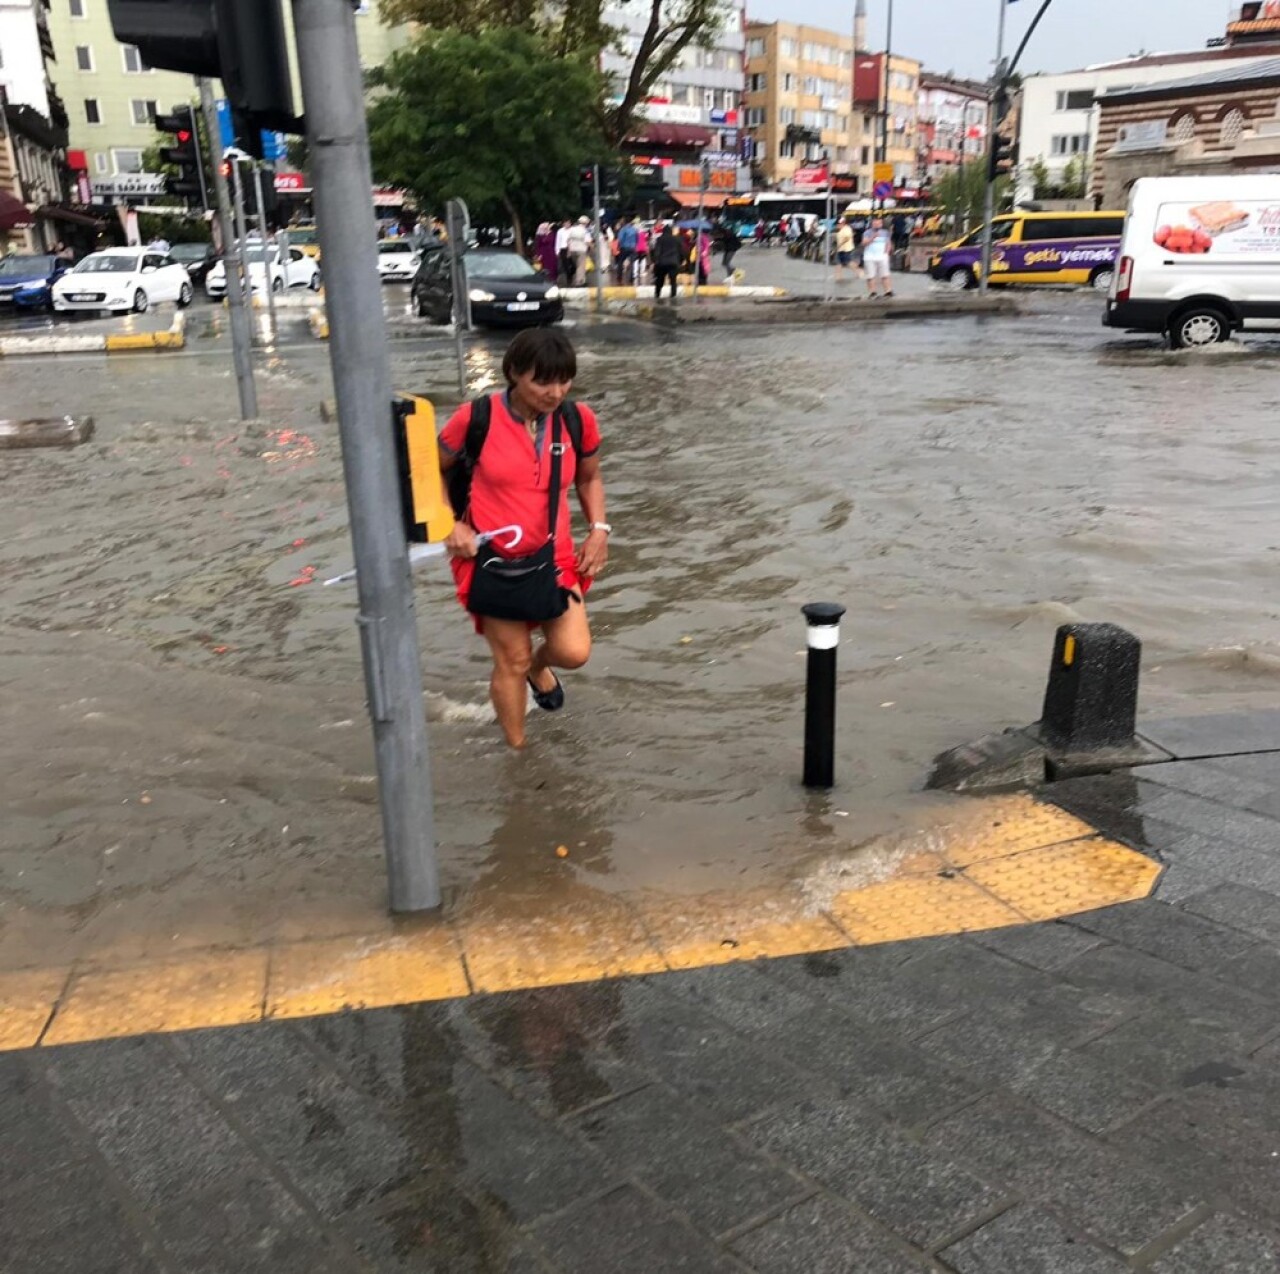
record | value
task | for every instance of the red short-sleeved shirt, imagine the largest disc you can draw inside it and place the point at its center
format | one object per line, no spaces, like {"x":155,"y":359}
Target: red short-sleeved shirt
{"x":510,"y":485}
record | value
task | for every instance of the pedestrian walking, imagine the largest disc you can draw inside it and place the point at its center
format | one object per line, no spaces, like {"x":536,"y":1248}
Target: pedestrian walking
{"x":578,"y":245}
{"x":628,"y":241}
{"x":703,"y":257}
{"x":730,"y":246}
{"x":875,"y":258}
{"x":844,"y":250}
{"x":641,"y":262}
{"x":564,"y":266}
{"x":544,"y":250}
{"x":545,"y":587}
{"x":666,"y":254}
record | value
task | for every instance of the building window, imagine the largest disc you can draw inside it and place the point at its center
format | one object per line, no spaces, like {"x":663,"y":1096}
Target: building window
{"x":786,"y":150}
{"x":84,"y":57}
{"x":755,"y":48}
{"x":788,"y":82}
{"x":787,"y":115}
{"x":92,"y":113}
{"x":787,"y":48}
{"x":127,"y":161}
{"x":76,"y":8}
{"x":1184,"y":127}
{"x":755,"y":116}
{"x":1069,"y":144}
{"x":756,"y":83}
{"x":1076,"y":99}
{"x":1232,"y":127}
{"x":144,"y":112}
{"x":133,"y":62}
{"x":100,"y":161}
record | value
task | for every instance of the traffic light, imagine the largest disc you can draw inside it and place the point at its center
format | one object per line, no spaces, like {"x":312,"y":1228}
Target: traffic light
{"x":184,"y":154}
{"x":240,"y":42}
{"x":1002,"y":150}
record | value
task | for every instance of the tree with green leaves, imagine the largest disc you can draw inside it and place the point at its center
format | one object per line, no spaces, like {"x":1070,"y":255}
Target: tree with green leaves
{"x":578,"y":28}
{"x":959,"y":192}
{"x":496,"y":118}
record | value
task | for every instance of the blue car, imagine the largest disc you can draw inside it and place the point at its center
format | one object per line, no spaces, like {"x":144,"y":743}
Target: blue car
{"x":26,"y":282}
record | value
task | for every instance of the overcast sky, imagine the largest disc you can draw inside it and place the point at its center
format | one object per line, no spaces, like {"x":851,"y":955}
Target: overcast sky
{"x":960,"y":36}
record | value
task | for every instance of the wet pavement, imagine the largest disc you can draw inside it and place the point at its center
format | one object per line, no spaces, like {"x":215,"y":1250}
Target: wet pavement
{"x":201,"y":769}
{"x":1089,"y":1095}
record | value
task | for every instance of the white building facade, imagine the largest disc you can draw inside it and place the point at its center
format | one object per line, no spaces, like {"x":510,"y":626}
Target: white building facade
{"x":25,"y":43}
{"x":1059,"y":113}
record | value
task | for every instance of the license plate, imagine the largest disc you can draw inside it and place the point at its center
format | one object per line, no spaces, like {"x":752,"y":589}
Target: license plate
{"x":523,"y":305}
{"x":82,"y":296}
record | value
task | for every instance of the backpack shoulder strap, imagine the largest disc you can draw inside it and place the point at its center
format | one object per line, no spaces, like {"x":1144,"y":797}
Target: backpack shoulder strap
{"x":573,"y":423}
{"x":477,"y":429}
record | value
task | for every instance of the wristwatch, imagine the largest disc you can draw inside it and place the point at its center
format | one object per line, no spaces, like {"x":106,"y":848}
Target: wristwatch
{"x":602,"y":526}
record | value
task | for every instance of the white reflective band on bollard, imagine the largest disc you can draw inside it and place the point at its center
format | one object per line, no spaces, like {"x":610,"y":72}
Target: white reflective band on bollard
{"x":824,"y":636}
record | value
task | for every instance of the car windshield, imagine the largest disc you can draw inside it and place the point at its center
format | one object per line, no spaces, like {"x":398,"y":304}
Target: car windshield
{"x":999,"y":230}
{"x":25,"y":265}
{"x":498,"y":265}
{"x":189,"y":251}
{"x":395,"y":247}
{"x":301,"y":235}
{"x":107,"y":265}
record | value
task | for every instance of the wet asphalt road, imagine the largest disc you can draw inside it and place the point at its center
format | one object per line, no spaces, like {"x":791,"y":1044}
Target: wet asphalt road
{"x":184,"y":702}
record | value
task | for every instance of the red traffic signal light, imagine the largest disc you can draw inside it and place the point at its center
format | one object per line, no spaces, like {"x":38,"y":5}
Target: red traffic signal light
{"x":183,"y":135}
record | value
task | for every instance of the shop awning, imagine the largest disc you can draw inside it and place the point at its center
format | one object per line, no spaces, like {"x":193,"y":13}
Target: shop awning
{"x":686,"y":200}
{"x":14,"y":214}
{"x":51,"y":212}
{"x":652,"y":133}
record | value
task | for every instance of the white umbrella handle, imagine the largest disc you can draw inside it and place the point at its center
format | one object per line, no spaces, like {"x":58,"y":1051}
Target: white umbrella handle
{"x":422,"y":552}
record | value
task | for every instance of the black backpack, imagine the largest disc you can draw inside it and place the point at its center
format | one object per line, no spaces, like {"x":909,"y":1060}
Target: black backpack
{"x":458,"y":478}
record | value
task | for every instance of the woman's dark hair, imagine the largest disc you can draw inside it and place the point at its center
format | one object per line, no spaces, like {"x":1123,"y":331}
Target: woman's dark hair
{"x":545,"y":352}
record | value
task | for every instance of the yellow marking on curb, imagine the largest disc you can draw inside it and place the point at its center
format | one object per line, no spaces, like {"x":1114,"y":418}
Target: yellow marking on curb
{"x":174,"y":337}
{"x":919,"y":907}
{"x":218,"y":988}
{"x":1059,"y":880}
{"x":996,"y":862}
{"x":311,"y":978}
{"x":27,"y":998}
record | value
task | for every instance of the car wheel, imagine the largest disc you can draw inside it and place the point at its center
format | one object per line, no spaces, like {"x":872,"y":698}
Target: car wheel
{"x":961,"y":278}
{"x":314,"y":282}
{"x":184,"y":296}
{"x":277,"y":286}
{"x":1199,"y":326}
{"x":1100,"y":279}
{"x":420,"y":307}
{"x":140,"y":302}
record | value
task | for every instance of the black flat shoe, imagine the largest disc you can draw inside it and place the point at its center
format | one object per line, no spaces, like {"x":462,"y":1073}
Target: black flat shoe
{"x":548,"y":700}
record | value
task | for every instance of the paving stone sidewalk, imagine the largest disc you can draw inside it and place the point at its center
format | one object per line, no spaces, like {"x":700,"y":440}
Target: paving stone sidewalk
{"x":1093,"y":1095}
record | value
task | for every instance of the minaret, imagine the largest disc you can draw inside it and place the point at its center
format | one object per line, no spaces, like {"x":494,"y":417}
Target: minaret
{"x":860,"y":26}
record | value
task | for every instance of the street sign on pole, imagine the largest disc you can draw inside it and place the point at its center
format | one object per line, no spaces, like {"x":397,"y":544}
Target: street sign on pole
{"x":882,"y":174}
{"x":333,"y":94}
{"x":883,"y":190}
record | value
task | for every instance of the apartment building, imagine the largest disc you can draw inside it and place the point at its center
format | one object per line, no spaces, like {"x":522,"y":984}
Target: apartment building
{"x":693,"y":112}
{"x":112,"y":97}
{"x":799,"y":105}
{"x":951,"y":123}
{"x":887,"y":87}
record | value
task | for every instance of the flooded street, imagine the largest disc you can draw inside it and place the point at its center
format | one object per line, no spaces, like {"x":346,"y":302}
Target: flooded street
{"x":184,"y":732}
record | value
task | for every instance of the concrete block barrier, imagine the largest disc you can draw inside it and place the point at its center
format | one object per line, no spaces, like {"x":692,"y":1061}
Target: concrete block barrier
{"x":172,"y":338}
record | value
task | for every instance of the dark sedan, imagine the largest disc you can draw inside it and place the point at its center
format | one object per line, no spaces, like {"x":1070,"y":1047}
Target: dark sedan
{"x":505,"y":290}
{"x":198,"y":258}
{"x":26,"y":281}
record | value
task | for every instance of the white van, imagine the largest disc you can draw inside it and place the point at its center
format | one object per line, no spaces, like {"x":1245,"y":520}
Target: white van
{"x":1200,"y":259}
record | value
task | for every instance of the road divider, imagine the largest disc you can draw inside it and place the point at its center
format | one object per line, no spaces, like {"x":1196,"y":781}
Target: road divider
{"x":587,"y":296}
{"x":174,"y":337}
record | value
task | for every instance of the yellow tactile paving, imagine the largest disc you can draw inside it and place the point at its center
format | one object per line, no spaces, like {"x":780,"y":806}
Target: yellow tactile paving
{"x":214,"y":989}
{"x":587,"y":938}
{"x":692,"y":933}
{"x":1060,"y":880}
{"x":27,"y":998}
{"x":1007,"y":825}
{"x":310,"y":978}
{"x":919,"y":907}
{"x":997,"y":862}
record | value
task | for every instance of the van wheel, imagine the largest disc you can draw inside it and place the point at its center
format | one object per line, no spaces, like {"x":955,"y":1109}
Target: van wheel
{"x":961,"y":278}
{"x":1100,"y":279}
{"x":1199,"y":326}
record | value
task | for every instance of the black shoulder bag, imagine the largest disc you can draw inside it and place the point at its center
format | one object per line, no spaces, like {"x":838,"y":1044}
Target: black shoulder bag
{"x":523,"y":588}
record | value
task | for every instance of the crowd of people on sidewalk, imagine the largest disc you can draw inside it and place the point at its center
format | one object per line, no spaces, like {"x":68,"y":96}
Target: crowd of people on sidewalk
{"x":634,"y":252}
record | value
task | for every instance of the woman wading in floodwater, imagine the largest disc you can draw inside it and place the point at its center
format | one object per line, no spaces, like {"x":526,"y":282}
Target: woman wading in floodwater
{"x":523,"y":448}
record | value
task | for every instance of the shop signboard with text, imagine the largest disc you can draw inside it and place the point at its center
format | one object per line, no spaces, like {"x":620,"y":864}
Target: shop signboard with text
{"x":815,"y":178}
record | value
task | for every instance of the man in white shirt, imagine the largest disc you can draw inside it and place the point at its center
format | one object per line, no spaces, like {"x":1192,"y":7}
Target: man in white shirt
{"x":578,"y":244}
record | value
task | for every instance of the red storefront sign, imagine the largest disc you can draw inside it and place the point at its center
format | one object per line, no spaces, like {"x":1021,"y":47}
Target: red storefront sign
{"x":810,"y":178}
{"x":290,"y":181}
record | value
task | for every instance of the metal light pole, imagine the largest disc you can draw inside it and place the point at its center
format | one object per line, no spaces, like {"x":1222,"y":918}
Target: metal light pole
{"x":888,"y":63}
{"x":597,"y":245}
{"x":241,"y":354}
{"x":242,"y":251}
{"x":704,"y":178}
{"x":284,"y":256}
{"x":333,"y":94}
{"x":989,"y":189}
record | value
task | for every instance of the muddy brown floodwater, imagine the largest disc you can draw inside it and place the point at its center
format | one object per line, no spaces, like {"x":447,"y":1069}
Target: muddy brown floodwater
{"x":186,"y":757}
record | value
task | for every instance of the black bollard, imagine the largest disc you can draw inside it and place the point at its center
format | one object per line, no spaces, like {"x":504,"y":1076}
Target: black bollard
{"x":823,"y":619}
{"x":1091,"y":701}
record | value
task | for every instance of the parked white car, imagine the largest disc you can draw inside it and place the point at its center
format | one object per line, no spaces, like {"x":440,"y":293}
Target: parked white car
{"x":297,"y":270}
{"x":122,"y":279}
{"x":396,"y":260}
